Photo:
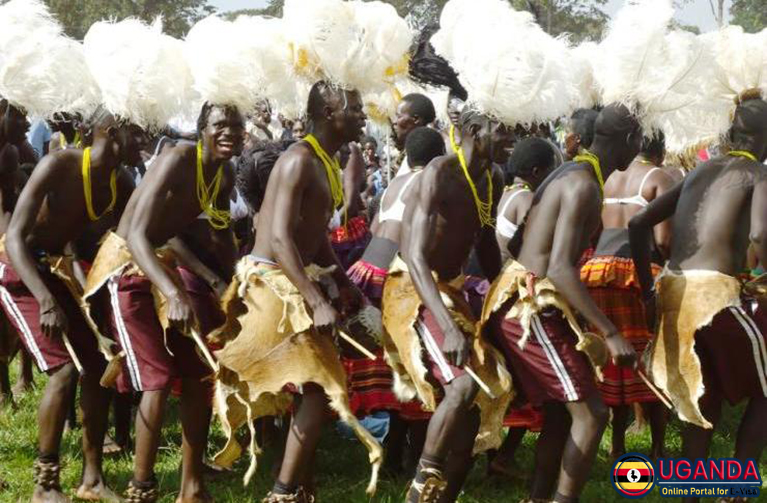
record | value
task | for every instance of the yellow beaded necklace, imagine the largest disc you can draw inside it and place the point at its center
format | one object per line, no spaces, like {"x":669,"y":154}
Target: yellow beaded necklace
{"x":207,"y":194}
{"x":590,"y":158}
{"x":88,"y":191}
{"x":332,"y":170}
{"x":742,"y":153}
{"x":484,"y":209}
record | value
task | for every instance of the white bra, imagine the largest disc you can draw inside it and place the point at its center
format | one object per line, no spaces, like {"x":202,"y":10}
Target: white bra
{"x":503,"y":225}
{"x":397,"y":210}
{"x":637,"y":199}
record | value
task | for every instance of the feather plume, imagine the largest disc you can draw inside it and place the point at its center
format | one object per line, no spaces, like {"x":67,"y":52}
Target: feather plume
{"x":511,"y":68}
{"x":229,"y":62}
{"x":582,"y":59}
{"x":658,"y":73}
{"x":742,"y":59}
{"x":268,"y":62}
{"x":41,"y":70}
{"x":140,"y":71}
{"x":355,"y":45}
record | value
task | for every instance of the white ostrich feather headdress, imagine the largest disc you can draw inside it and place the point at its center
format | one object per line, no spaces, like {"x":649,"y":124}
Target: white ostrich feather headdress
{"x":510,"y":67}
{"x":657,"y":73}
{"x":267,"y":58}
{"x":231,"y":61}
{"x":354,"y":45}
{"x":734,"y":68}
{"x":140,"y":71}
{"x":41,"y":70}
{"x":582,"y":58}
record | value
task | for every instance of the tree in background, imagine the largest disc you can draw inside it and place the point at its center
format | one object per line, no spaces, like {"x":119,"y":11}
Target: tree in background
{"x":750,"y":14}
{"x":76,"y":16}
{"x":584,"y":19}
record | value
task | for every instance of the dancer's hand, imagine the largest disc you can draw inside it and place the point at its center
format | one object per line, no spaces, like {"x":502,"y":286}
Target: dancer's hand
{"x":180,"y":314}
{"x":456,"y":346}
{"x":325,"y":316}
{"x":53,"y":321}
{"x":351,"y":299}
{"x":621,"y":350}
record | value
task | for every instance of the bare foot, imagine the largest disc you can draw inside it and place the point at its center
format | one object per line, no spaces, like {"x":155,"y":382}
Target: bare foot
{"x":99,"y":492}
{"x":111,"y":447}
{"x":52,"y":496}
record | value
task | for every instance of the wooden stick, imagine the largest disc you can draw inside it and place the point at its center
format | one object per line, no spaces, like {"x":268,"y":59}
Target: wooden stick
{"x":204,"y":348}
{"x":359,"y":347}
{"x":661,"y":396}
{"x":480,"y":382}
{"x":72,"y":353}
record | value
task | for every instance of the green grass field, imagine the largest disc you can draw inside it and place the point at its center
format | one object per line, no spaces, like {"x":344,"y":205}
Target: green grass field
{"x":343,"y":469}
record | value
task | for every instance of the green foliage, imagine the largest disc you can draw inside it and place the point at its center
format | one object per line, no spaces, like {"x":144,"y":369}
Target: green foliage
{"x":750,"y":14}
{"x":342,"y":468}
{"x":178,"y":15}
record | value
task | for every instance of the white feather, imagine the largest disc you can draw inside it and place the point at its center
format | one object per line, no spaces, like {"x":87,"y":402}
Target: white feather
{"x":511,"y":68}
{"x":659,"y":74}
{"x":582,"y":59}
{"x":140,"y":71}
{"x":355,"y":45}
{"x":236,"y":62}
{"x":269,"y":63}
{"x":41,"y":70}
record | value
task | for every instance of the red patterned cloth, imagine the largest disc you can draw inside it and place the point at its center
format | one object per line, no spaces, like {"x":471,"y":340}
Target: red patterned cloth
{"x":526,"y":416}
{"x":349,"y":241}
{"x":369,"y":279}
{"x":614,"y":286}
{"x":370,"y":381}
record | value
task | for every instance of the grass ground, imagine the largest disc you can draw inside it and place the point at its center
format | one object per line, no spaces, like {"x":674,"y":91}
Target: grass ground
{"x":342,"y":465}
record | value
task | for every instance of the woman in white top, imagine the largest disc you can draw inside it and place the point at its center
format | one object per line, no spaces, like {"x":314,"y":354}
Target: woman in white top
{"x":612,"y":282}
{"x":530,"y":163}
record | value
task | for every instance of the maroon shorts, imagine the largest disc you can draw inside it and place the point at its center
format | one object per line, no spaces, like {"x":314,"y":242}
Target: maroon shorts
{"x":549,"y":368}
{"x":733,"y":352}
{"x":433,"y":339}
{"x":149,"y":365}
{"x":23,"y":312}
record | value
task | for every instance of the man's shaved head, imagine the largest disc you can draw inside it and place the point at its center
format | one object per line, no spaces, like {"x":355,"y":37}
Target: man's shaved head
{"x":338,"y":108}
{"x":749,"y":127}
{"x":322,"y":95}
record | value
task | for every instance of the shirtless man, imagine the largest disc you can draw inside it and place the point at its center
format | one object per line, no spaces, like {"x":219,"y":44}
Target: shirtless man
{"x":719,"y":210}
{"x":530,"y":163}
{"x":55,"y":207}
{"x":549,"y":369}
{"x":13,"y":128}
{"x":370,"y":382}
{"x":164,"y":206}
{"x":444,"y":219}
{"x":611,"y":278}
{"x":303,"y":190}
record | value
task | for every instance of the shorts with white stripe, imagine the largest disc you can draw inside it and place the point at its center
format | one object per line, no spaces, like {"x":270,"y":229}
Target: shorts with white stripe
{"x":23,"y":312}
{"x":432,"y":339}
{"x":549,"y":368}
{"x":733,"y":352}
{"x":153,"y":359}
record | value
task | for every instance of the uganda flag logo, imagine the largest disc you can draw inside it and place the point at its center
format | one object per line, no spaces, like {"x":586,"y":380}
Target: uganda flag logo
{"x":633,"y":476}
